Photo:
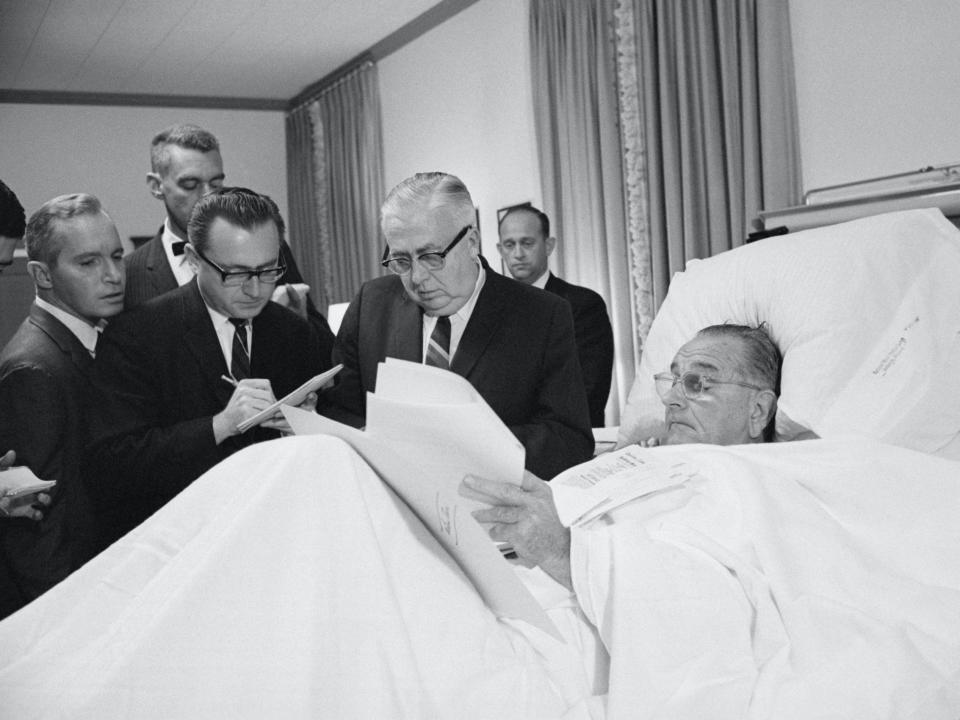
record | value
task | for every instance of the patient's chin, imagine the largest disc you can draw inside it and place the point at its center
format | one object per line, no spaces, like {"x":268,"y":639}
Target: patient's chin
{"x":680,"y":434}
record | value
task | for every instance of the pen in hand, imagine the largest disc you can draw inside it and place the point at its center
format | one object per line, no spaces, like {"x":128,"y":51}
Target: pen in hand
{"x":230,"y":380}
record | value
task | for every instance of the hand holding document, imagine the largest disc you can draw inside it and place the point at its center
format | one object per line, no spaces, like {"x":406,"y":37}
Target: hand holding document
{"x":293,"y":399}
{"x":426,"y":429}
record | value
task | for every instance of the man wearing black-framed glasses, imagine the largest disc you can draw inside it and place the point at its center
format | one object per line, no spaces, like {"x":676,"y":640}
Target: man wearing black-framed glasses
{"x":442,"y":305}
{"x":180,"y":373}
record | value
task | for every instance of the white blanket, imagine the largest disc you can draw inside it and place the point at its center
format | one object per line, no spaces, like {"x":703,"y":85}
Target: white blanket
{"x":287,"y":582}
{"x":801,"y":580}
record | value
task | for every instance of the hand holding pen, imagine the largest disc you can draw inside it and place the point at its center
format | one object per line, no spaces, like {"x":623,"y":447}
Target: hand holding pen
{"x":250,"y":396}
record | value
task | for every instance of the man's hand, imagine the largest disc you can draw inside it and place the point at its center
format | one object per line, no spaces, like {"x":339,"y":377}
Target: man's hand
{"x":249,"y":397}
{"x":527,"y":519}
{"x":279,"y":422}
{"x":22,"y":506}
{"x":650,"y":442}
{"x":291,"y":297}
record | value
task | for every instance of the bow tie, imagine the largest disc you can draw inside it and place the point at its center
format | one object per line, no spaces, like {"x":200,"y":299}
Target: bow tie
{"x":178,"y":246}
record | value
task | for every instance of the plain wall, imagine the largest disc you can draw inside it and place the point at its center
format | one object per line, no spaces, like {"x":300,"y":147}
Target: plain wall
{"x":50,"y":150}
{"x":459,"y":99}
{"x":877,"y":86}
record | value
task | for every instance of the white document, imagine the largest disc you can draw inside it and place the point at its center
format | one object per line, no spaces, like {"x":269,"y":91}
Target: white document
{"x":20,"y":480}
{"x":422,"y":448}
{"x":597,"y":486}
{"x":293,"y":398}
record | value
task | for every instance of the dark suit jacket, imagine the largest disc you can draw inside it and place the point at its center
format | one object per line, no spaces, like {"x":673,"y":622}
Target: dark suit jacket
{"x":517,"y":351}
{"x":149,"y":275}
{"x":157,"y":372}
{"x":44,"y":371}
{"x":594,"y":342}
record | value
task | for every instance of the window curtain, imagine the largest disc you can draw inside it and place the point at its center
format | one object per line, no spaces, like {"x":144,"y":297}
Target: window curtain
{"x":708,"y":109}
{"x":335,"y":184}
{"x":663,"y":127}
{"x":575,"y":113}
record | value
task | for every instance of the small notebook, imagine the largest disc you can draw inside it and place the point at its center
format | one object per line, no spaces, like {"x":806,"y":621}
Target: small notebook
{"x":20,"y":480}
{"x":294,"y":398}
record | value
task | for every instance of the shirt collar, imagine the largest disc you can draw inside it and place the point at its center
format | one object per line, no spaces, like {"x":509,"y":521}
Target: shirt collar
{"x":541,"y":282}
{"x":86,"y":333}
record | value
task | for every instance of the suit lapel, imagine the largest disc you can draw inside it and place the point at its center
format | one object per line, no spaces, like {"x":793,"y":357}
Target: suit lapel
{"x":201,"y":340}
{"x":484,"y":322}
{"x":160,"y":273}
{"x":406,"y":340}
{"x":61,"y":335}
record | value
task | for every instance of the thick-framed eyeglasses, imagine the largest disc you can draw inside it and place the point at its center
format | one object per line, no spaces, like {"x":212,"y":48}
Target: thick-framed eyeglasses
{"x":236,"y":278}
{"x":692,"y":384}
{"x":432,"y":261}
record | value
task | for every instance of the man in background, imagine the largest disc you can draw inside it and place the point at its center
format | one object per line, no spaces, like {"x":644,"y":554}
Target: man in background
{"x":185,"y":165}
{"x":525,"y":246}
{"x":76,"y":262}
{"x":179,"y":374}
{"x":13,"y":221}
{"x":443,"y":306}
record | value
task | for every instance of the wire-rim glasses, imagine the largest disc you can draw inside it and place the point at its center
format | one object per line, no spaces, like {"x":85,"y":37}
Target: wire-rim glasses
{"x":692,"y":384}
{"x":432,"y":261}
{"x":236,"y":278}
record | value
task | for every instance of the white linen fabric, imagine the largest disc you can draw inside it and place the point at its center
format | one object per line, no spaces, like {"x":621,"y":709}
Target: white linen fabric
{"x":803,"y":580}
{"x":865,"y":313}
{"x":287,"y":582}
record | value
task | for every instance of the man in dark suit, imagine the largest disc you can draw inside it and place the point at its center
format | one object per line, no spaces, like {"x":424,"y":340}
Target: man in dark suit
{"x":76,"y":262}
{"x":186,"y":165}
{"x":178,"y":374}
{"x":444,"y":306}
{"x":525,"y":244}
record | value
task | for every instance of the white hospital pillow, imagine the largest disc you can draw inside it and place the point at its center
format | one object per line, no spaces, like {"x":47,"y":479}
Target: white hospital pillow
{"x":866,"y":314}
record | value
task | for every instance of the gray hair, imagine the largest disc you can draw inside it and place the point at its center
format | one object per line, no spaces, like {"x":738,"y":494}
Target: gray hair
{"x":761,"y":358}
{"x":42,"y":237}
{"x":238,"y":206}
{"x":191,"y":137}
{"x":436,"y":191}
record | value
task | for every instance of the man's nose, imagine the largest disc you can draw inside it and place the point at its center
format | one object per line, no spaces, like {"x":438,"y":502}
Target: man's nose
{"x":251,"y":286}
{"x":114,"y":271}
{"x":418,"y":273}
{"x":674,"y":396}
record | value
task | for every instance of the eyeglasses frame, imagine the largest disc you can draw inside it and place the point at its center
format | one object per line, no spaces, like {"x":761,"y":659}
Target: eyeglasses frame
{"x":678,"y":379}
{"x":442,"y":254}
{"x":250,"y":274}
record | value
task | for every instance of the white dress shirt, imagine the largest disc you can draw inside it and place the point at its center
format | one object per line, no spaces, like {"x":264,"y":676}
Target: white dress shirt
{"x":182,"y":270}
{"x":458,"y":321}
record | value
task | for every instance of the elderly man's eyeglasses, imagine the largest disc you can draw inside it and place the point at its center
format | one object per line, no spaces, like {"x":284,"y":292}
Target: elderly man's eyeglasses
{"x":236,"y":278}
{"x":430,"y":261}
{"x":692,"y":384}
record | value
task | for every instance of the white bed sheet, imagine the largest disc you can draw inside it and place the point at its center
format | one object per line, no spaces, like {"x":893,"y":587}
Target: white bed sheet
{"x":287,"y":582}
{"x":815,"y":579}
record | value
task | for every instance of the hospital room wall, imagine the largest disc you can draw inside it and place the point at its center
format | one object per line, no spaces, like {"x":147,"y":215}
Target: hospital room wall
{"x":877,"y":86}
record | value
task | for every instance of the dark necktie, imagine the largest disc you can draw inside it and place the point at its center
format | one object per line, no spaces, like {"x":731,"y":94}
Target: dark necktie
{"x":177,"y":246}
{"x":438,"y":349}
{"x":240,"y":360}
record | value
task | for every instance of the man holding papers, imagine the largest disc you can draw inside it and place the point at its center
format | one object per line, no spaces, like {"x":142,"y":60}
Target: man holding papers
{"x":444,"y":306}
{"x":180,"y":374}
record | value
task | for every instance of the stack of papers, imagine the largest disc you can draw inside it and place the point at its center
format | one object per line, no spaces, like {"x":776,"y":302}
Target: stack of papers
{"x":426,"y":430}
{"x":293,"y":398}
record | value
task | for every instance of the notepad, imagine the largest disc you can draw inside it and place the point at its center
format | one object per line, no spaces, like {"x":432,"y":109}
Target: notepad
{"x":20,"y":480}
{"x":293,"y":399}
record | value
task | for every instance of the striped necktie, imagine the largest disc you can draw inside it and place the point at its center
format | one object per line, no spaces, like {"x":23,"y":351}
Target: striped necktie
{"x":240,"y":357}
{"x":438,"y":350}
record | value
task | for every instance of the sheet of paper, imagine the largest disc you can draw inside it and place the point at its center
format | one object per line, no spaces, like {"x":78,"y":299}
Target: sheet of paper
{"x":593,"y":488}
{"x":405,"y":380}
{"x":430,"y":487}
{"x":293,"y":398}
{"x":20,"y":480}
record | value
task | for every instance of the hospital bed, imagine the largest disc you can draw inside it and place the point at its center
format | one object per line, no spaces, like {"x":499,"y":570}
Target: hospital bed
{"x":788,"y":580}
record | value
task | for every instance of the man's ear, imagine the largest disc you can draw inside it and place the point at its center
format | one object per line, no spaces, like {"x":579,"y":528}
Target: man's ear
{"x":155,"y":184}
{"x":40,"y":274}
{"x":551,"y":243}
{"x":761,"y":412}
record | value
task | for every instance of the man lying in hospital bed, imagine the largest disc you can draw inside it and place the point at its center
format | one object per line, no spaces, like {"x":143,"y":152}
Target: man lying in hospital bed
{"x":781,"y":580}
